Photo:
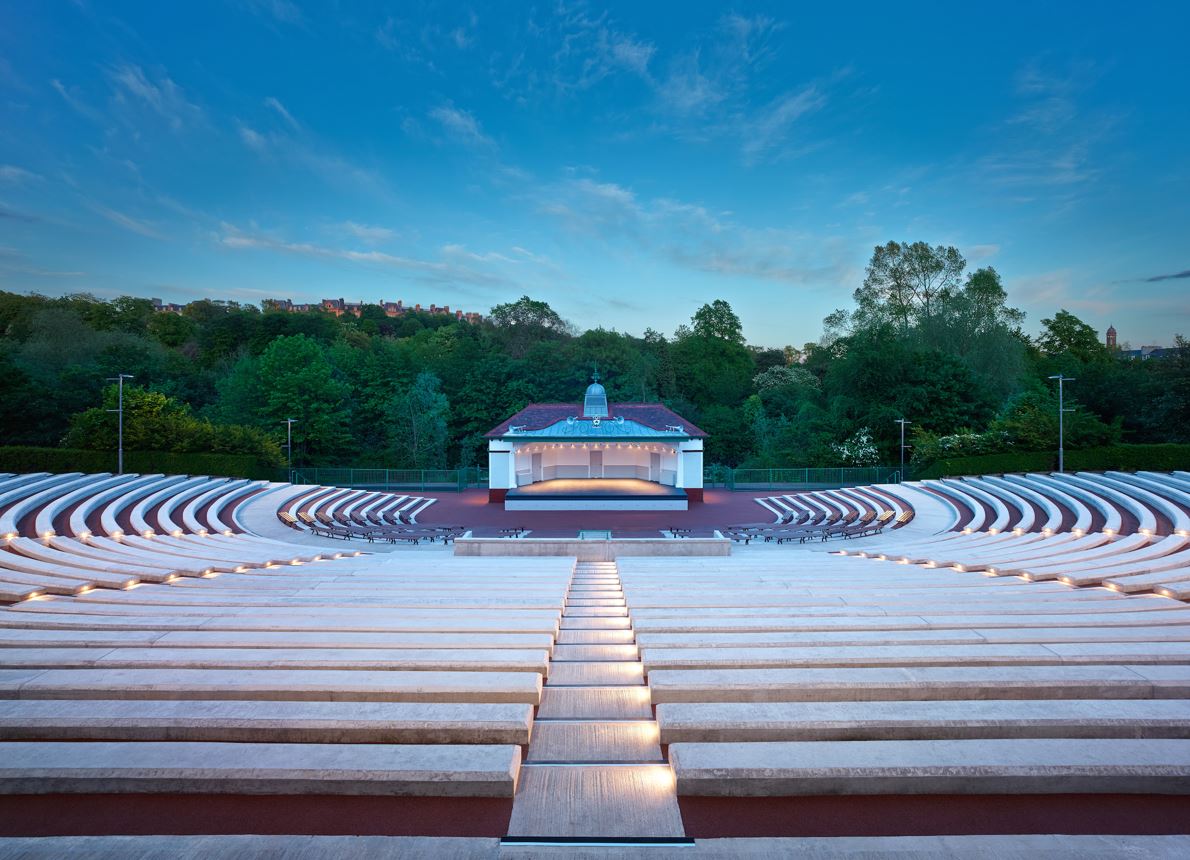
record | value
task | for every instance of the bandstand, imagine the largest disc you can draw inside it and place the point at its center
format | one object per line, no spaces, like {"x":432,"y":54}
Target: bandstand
{"x":595,"y":456}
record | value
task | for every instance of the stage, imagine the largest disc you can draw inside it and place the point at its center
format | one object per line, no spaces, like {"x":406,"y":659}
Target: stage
{"x":596,"y":494}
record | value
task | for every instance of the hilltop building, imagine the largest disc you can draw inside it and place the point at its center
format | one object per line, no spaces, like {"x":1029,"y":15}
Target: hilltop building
{"x":595,"y":456}
{"x":340,"y":307}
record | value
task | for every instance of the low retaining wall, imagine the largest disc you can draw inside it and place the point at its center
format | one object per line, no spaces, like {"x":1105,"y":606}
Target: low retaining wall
{"x":593,"y":550}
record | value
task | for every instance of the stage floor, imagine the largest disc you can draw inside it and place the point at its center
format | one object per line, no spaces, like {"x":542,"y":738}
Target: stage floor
{"x":596,"y":494}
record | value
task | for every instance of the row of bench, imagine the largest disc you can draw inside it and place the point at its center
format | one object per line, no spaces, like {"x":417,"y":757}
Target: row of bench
{"x":820,"y":674}
{"x":372,"y":675}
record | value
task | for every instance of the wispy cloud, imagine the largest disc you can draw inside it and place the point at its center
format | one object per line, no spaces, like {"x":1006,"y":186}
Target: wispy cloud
{"x":282,"y":10}
{"x":367,"y":232}
{"x":461,"y":126}
{"x":1175,"y":276}
{"x":275,"y":104}
{"x":12,"y":173}
{"x":75,"y":101}
{"x":456,"y":266}
{"x":160,"y":94}
{"x":768,"y":131}
{"x":129,"y":223}
{"x":690,"y":236}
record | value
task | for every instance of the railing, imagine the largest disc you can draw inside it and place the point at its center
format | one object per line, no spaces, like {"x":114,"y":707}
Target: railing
{"x":438,"y":480}
{"x":824,"y":478}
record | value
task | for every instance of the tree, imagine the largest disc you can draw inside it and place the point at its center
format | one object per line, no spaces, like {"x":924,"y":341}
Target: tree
{"x":1066,"y":333}
{"x":905,"y":281}
{"x":298,"y":382}
{"x":156,"y":422}
{"x":718,"y":320}
{"x":418,"y":416}
{"x":524,"y":322}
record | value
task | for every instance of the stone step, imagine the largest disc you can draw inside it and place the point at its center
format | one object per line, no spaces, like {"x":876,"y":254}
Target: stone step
{"x":1059,"y":847}
{"x":616,"y":741}
{"x":221,"y":847}
{"x":265,"y":722}
{"x":576,"y":637}
{"x":594,"y":703}
{"x":272,"y":684}
{"x":444,"y":622}
{"x":929,"y":683}
{"x":98,"y":767}
{"x":867,"y":638}
{"x":160,"y":657}
{"x":594,"y":612}
{"x":1018,"y":766}
{"x":571,"y":623}
{"x":988,"y":654}
{"x":931,"y":720}
{"x":607,"y":802}
{"x":564,"y":653}
{"x":615,"y":673}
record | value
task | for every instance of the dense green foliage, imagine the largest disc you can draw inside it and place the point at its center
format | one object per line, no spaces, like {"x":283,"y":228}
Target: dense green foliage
{"x":24,"y":458}
{"x":1158,"y":458}
{"x":926,"y":340}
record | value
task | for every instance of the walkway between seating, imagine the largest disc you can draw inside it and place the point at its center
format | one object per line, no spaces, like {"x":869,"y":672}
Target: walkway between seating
{"x":594,"y":767}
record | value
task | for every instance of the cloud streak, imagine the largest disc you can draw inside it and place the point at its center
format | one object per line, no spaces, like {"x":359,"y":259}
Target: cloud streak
{"x":1175,"y":276}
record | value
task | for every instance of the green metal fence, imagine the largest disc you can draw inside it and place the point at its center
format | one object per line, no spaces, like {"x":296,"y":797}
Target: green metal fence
{"x":438,"y":480}
{"x":787,"y":479}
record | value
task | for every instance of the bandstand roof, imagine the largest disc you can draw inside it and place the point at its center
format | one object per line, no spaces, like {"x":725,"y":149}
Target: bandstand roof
{"x":627,"y":421}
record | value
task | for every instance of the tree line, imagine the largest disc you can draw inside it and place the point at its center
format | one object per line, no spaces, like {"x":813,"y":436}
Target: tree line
{"x":925,"y":339}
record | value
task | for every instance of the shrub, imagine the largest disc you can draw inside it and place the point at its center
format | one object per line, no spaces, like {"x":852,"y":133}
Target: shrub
{"x":1156,"y":458}
{"x":21,"y":458}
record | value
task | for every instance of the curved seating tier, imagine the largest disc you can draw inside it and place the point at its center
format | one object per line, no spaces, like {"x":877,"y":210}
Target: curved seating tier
{"x":334,"y":512}
{"x":1126,"y":532}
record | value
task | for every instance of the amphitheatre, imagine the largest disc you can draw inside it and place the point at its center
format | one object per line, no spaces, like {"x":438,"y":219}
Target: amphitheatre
{"x":975,"y":667}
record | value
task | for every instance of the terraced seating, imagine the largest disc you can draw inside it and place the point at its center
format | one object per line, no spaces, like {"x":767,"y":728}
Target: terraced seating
{"x":824,"y":514}
{"x":836,"y":674}
{"x":229,"y":663}
{"x":1128,"y":532}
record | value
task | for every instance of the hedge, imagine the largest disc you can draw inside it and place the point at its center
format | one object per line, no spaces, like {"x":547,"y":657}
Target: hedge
{"x":21,"y":458}
{"x":1126,"y":458}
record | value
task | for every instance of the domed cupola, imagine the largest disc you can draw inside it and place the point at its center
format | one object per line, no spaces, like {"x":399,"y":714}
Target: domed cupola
{"x":595,"y":401}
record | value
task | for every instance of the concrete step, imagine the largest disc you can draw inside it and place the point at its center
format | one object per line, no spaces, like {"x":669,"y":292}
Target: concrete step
{"x":611,"y":801}
{"x":575,"y":637}
{"x":613,"y":673}
{"x":265,"y":722}
{"x":930,"y":720}
{"x":564,"y":653}
{"x":1018,"y":766}
{"x":272,"y":684}
{"x":595,"y":703}
{"x":573,"y":623}
{"x":396,"y":659}
{"x":921,"y":684}
{"x":617,"y":741}
{"x":988,"y":654}
{"x":99,"y":767}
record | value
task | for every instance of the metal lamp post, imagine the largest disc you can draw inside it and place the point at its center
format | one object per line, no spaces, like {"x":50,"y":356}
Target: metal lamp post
{"x":289,"y":422}
{"x":1062,"y":410}
{"x":903,"y":424}
{"x":119,"y":380}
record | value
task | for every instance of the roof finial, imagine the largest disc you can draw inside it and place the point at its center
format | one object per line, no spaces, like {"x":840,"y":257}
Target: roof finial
{"x":595,"y":372}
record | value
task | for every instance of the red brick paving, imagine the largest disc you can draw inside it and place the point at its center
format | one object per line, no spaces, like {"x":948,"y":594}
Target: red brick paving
{"x":471,"y":508}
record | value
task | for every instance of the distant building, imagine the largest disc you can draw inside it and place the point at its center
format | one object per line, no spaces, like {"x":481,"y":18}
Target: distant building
{"x":1143,"y":354}
{"x":166,"y":307}
{"x":340,"y":307}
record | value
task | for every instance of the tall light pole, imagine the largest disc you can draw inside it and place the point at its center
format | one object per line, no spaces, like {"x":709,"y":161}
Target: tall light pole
{"x":1062,"y":410}
{"x":119,"y":379}
{"x":903,"y":424}
{"x":289,"y":446}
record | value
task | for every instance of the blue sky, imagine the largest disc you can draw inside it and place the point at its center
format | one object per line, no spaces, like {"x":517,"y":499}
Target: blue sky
{"x":624,"y":162}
